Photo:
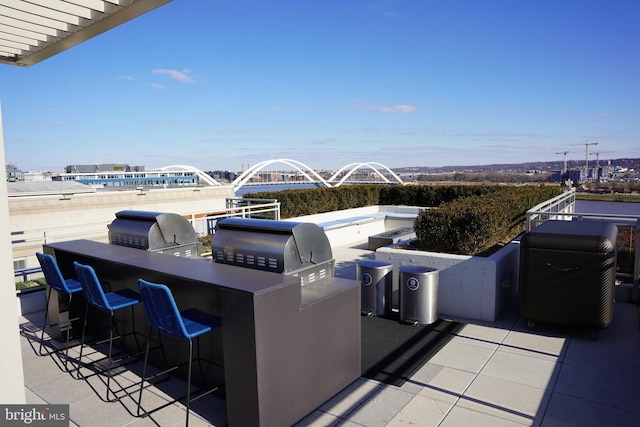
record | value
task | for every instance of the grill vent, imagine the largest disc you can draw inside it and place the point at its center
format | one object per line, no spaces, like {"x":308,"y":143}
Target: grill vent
{"x":298,"y":249}
{"x":154,"y":231}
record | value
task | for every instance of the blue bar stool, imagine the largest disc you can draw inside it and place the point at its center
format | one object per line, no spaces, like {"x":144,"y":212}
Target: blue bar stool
{"x":63,"y":286}
{"x":163,"y":314}
{"x":108,"y":302}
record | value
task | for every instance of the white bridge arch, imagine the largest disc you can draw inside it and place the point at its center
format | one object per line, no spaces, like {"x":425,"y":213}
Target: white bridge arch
{"x":313,"y":177}
{"x":299,"y":166}
{"x":203,"y":176}
{"x":355,"y":166}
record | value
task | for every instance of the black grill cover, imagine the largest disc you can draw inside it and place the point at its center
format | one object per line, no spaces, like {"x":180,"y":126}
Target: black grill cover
{"x":567,"y":273}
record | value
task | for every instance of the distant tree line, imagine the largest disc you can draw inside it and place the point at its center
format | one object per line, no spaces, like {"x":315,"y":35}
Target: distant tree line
{"x":486,"y":177}
{"x":619,"y":187}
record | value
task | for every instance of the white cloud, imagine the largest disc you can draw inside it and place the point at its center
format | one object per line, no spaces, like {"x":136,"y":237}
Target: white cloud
{"x":401,"y":108}
{"x":183,"y":76}
{"x":156,"y":85}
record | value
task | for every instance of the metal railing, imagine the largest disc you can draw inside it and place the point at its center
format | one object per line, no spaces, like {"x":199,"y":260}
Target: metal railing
{"x":563,"y":208}
{"x":24,"y":273}
{"x":246,"y":208}
{"x":556,"y":208}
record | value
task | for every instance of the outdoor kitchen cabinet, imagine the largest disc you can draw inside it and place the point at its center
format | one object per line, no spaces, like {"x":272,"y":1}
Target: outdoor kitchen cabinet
{"x":286,"y":349}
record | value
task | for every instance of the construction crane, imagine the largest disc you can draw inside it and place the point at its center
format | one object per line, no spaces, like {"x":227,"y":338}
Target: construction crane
{"x":597,"y":154}
{"x":565,"y":159}
{"x":586,"y":154}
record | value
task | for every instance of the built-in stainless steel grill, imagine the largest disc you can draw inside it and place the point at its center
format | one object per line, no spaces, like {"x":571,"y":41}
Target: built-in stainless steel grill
{"x":155,"y":231}
{"x":292,"y":248}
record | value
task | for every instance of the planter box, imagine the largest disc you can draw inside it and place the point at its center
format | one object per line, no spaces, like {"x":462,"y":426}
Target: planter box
{"x":470,"y":287}
{"x":353,"y":225}
{"x":31,"y":302}
{"x":390,"y":237}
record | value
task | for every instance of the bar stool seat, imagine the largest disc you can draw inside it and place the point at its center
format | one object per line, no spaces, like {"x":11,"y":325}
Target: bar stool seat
{"x":62,"y":286}
{"x":108,"y":302}
{"x":163,"y":315}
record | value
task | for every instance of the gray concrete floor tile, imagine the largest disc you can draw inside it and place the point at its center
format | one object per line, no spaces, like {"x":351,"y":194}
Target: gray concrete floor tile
{"x":61,"y":389}
{"x":464,"y":417}
{"x":506,"y":400}
{"x":541,"y":341}
{"x":532,"y":371}
{"x":476,"y":342}
{"x":600,"y":386}
{"x":381,"y":408}
{"x":624,"y":330}
{"x":32,"y":398}
{"x":91,"y":411}
{"x":421,"y":411}
{"x":447,"y":384}
{"x":495,"y":374}
{"x":603,"y":355}
{"x":356,"y":394}
{"x":565,"y":410}
{"x":483,"y":333}
{"x":322,"y":419}
{"x":465,"y":357}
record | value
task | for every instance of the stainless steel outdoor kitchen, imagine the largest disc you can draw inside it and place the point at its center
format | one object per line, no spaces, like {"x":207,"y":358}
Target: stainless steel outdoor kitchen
{"x":290,"y":335}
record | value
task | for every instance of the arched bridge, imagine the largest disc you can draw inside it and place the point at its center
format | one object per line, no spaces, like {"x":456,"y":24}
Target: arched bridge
{"x":354,"y":173}
{"x":295,"y":172}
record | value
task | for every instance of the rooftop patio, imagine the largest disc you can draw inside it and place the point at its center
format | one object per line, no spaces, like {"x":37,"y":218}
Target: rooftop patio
{"x":493,"y":374}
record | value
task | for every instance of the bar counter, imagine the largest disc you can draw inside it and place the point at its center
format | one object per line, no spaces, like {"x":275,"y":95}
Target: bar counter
{"x":285,"y":348}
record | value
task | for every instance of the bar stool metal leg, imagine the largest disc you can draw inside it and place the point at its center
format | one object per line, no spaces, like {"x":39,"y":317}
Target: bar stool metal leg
{"x":62,"y":286}
{"x":109,"y":302}
{"x":163,"y":315}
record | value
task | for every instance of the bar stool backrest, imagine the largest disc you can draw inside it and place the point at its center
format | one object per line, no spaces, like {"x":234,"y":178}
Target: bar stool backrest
{"x":52,"y":273}
{"x":91,"y":286}
{"x":162,"y":311}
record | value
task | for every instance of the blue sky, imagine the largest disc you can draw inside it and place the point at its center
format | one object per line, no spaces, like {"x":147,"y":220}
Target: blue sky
{"x":219,"y":84}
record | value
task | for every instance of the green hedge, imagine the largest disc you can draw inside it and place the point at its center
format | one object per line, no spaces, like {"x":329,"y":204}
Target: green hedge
{"x":468,"y":219}
{"x":471,"y":225}
{"x":312,"y":201}
{"x":429,"y":195}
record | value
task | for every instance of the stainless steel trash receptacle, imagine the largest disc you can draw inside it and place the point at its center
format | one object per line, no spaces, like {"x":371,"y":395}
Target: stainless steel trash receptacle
{"x":375,"y":287}
{"x":418,"y":294}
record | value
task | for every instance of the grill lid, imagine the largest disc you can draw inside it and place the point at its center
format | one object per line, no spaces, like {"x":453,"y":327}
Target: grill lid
{"x":151,"y":230}
{"x":280,"y":246}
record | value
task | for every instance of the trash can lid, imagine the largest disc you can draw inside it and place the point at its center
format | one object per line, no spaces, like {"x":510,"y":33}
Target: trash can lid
{"x":369,"y":263}
{"x":417,"y":269}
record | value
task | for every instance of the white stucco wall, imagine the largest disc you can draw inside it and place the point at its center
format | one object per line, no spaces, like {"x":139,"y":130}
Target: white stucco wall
{"x":11,"y":369}
{"x":354,"y":225}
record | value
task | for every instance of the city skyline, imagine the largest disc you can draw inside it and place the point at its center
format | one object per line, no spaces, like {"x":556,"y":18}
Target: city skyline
{"x":220,"y":85}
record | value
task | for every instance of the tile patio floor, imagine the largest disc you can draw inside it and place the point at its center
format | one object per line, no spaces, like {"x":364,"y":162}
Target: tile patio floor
{"x":489,"y":374}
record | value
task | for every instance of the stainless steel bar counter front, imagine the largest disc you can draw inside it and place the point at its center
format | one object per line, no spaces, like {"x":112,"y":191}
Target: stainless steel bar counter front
{"x":285,"y":348}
